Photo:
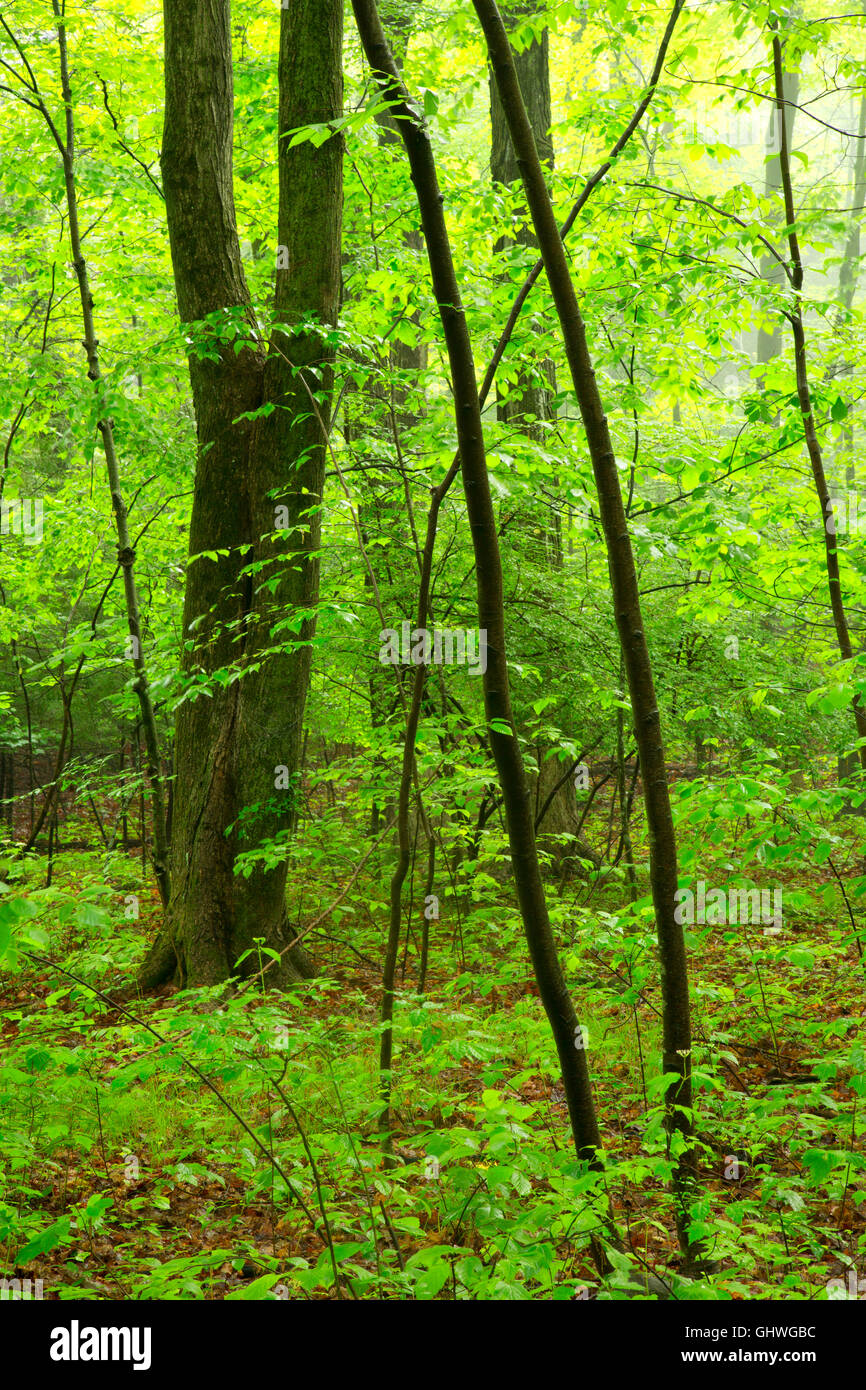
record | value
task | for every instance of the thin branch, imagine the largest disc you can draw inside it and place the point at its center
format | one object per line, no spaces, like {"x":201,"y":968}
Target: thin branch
{"x":122,"y":143}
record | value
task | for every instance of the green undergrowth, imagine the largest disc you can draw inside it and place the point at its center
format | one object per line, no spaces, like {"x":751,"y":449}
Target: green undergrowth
{"x":125,"y":1175}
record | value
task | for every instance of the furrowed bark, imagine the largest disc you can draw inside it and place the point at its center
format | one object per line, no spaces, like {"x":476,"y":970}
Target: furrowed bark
{"x":230,"y":748}
{"x":288,"y":452}
{"x":677,"y":1042}
{"x":196,"y":164}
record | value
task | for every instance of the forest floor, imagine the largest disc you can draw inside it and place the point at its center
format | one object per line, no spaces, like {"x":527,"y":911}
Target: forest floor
{"x":126,"y":1177}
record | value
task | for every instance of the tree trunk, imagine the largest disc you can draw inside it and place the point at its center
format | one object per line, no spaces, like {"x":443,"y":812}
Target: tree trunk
{"x":503,"y":739}
{"x":798,"y":329}
{"x":258,"y":486}
{"x":677,"y":1045}
{"x":558,"y":822}
{"x":769,"y":343}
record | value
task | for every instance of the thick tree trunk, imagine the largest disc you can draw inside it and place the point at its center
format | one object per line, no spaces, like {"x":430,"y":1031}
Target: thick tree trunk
{"x":238,"y":750}
{"x":557,"y":816}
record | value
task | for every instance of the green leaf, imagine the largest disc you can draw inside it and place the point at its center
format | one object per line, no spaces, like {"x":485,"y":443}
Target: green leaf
{"x":256,"y":1290}
{"x":52,"y":1236}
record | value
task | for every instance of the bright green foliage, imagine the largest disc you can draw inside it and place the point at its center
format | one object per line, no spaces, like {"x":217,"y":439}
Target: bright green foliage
{"x":114,"y":1152}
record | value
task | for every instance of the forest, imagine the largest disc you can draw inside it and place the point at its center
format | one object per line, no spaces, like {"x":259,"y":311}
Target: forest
{"x":432,"y":653}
